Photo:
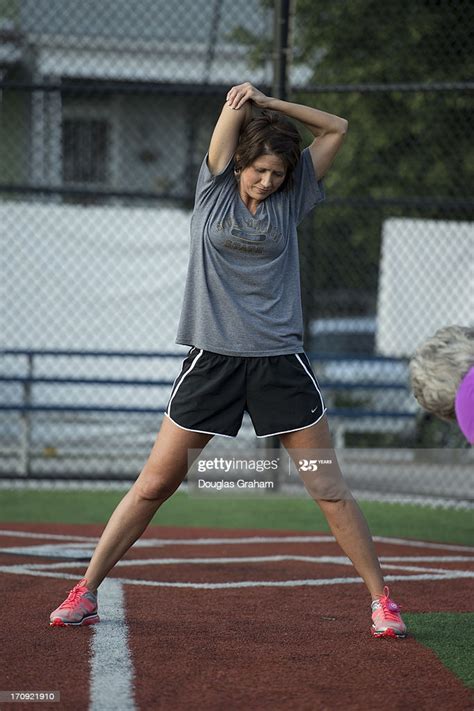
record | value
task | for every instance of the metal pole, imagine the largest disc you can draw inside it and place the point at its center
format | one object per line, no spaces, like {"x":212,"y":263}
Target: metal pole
{"x":281,"y":48}
{"x":25,"y":422}
{"x":281,"y":28}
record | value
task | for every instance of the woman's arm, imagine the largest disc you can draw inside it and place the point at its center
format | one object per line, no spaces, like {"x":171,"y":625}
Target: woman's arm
{"x":225,"y":136}
{"x":329,"y":130}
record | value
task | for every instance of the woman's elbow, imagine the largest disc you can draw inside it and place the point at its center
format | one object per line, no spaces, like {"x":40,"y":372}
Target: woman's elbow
{"x":343,"y":126}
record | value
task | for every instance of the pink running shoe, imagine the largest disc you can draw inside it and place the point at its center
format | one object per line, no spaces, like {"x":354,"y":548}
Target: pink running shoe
{"x":79,"y":608}
{"x":386,"y":618}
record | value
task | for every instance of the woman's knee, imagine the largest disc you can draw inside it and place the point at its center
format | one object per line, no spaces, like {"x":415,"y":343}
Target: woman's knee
{"x":155,"y":488}
{"x":327,"y":485}
{"x":334,"y":504}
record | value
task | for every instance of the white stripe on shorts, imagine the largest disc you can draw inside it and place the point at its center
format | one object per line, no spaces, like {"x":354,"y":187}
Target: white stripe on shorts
{"x":312,"y":379}
{"x":176,"y":384}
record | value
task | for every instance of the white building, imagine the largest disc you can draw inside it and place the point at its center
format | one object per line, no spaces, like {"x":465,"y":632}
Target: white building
{"x":163,"y":67}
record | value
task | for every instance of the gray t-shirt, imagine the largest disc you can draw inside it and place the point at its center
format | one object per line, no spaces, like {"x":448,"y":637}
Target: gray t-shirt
{"x":242,"y":294}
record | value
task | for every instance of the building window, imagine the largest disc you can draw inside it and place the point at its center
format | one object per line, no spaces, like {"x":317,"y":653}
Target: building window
{"x":85,"y":150}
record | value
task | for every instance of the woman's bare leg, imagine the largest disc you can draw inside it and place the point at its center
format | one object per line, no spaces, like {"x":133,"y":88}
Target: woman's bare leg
{"x":330,"y":492}
{"x":162,"y":474}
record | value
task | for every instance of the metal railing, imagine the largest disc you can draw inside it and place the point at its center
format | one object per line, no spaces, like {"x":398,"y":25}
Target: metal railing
{"x":29,"y":404}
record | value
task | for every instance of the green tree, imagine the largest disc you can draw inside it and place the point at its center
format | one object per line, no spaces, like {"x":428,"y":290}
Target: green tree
{"x":410,"y":145}
{"x":414,"y":143}
{"x":407,"y":152}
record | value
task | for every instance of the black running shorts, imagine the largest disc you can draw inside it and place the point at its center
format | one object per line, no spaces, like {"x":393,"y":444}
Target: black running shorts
{"x":212,"y":391}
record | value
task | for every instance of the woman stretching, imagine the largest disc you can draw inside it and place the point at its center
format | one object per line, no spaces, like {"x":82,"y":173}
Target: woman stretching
{"x":242,"y":318}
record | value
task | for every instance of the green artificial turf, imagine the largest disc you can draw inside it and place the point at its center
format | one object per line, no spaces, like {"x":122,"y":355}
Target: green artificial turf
{"x":270,"y":511}
{"x":449,"y":635}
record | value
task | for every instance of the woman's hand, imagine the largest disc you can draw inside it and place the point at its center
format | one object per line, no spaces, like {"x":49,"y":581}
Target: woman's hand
{"x":238,"y":95}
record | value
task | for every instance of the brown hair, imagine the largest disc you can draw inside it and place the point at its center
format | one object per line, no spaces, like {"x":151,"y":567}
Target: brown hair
{"x":269,"y":133}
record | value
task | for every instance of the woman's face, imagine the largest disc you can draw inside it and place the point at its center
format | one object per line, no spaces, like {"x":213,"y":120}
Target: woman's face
{"x":262,"y":178}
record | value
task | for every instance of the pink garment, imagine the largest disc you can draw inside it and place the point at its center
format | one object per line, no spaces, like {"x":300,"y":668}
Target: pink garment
{"x":464,"y":406}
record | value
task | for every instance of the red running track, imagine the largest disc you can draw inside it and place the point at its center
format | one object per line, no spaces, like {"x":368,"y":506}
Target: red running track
{"x":293,"y":646}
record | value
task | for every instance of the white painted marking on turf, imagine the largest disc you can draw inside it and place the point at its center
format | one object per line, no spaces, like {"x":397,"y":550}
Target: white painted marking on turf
{"x":425,"y":573}
{"x":337,"y":560}
{"x":421,"y":544}
{"x":341,"y":560}
{"x":111,"y":664}
{"x":55,"y":566}
{"x":446,"y":575}
{"x":414,"y":568}
{"x":48,"y":550}
{"x":24,"y":570}
{"x":290,"y":583}
{"x":152,"y":542}
{"x":428,"y":558}
{"x":46,"y":536}
{"x":258,"y":559}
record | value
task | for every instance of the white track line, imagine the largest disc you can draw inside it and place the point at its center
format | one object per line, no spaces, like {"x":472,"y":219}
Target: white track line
{"x":290,"y":583}
{"x":152,"y":542}
{"x":415,"y":568}
{"x":47,"y":536}
{"x":337,"y":560}
{"x":79,"y":552}
{"x":428,"y":558}
{"x":24,"y":570}
{"x":388,"y":561}
{"x":49,"y":550}
{"x":111,"y":663}
{"x":444,"y":575}
{"x":422,"y":544}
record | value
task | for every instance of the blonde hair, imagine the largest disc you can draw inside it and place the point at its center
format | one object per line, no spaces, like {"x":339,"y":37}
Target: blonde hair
{"x":438,"y":367}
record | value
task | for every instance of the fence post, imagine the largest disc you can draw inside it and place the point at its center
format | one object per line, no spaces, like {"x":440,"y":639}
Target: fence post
{"x":281,"y":49}
{"x":25,"y":421}
{"x":281,"y":31}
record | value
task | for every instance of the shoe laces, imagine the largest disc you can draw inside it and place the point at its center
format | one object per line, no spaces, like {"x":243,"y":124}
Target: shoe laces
{"x":74,"y":595}
{"x":390,"y":608}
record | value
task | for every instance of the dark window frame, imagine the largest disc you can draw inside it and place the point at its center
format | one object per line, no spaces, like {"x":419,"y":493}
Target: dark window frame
{"x":85,"y":151}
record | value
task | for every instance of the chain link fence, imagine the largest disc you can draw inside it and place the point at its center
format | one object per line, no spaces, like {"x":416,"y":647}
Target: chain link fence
{"x":106,"y":113}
